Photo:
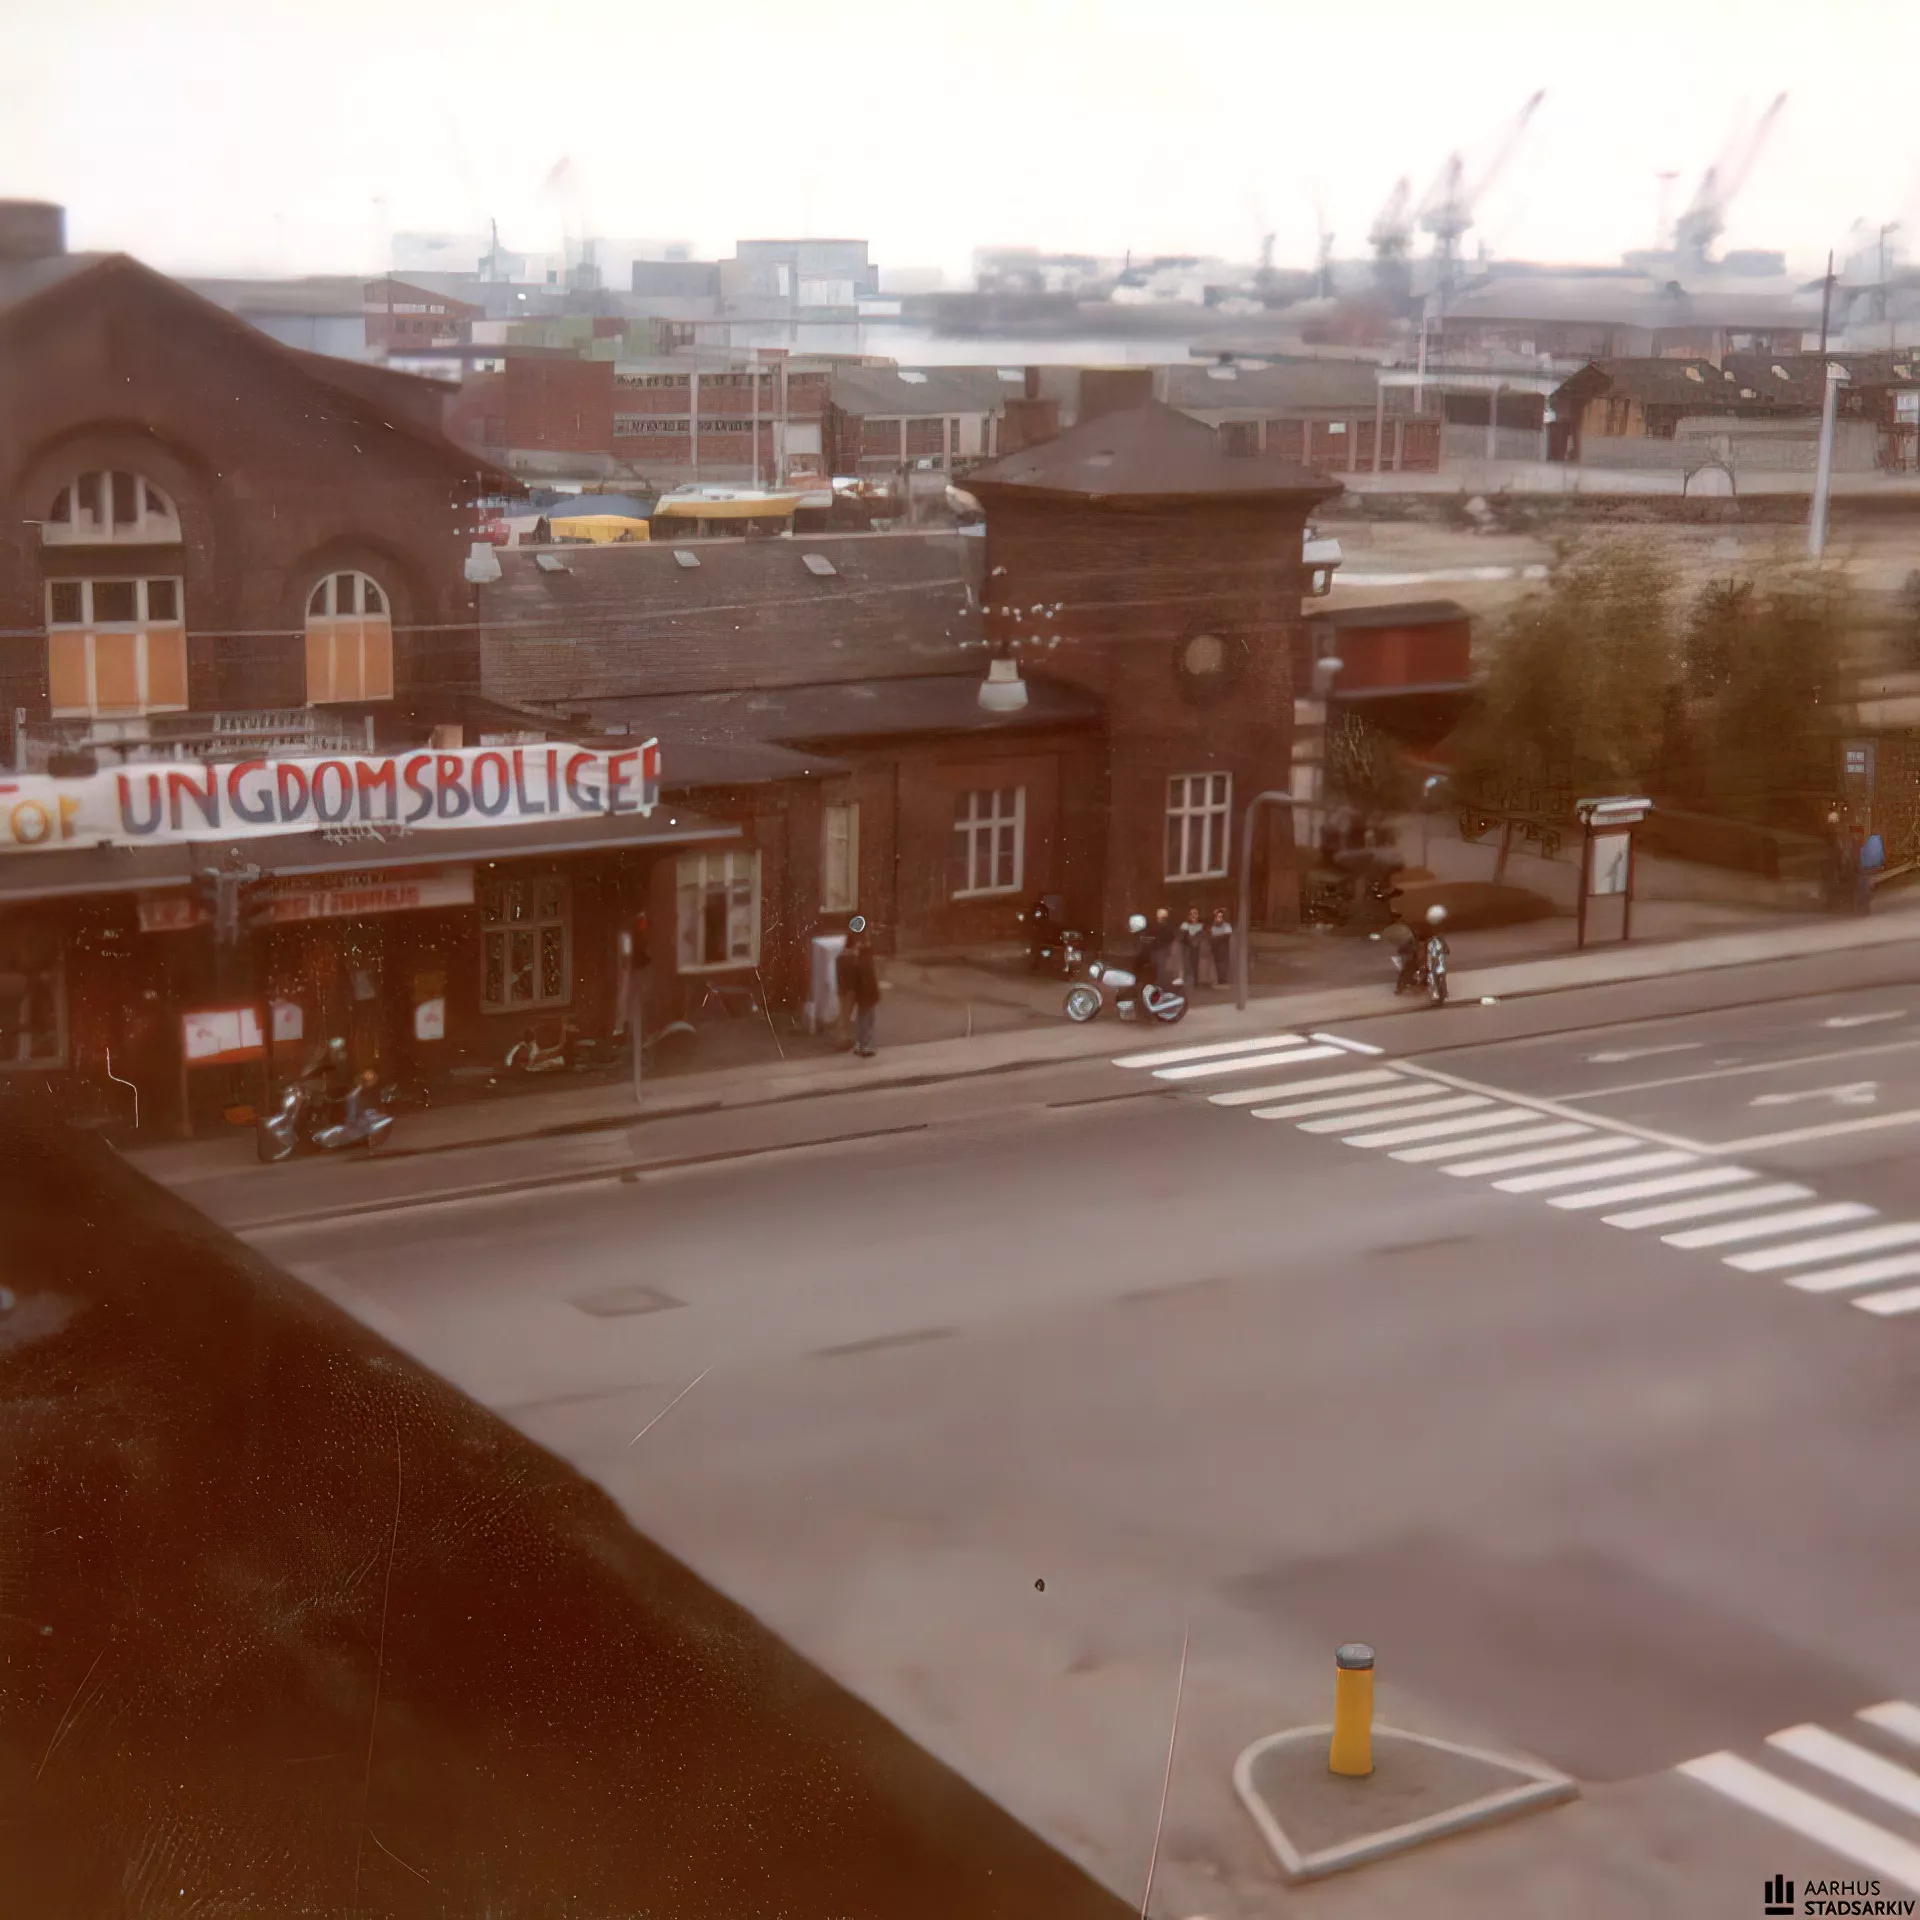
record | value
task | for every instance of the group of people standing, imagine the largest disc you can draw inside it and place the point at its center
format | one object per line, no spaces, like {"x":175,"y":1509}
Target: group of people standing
{"x":1854,"y":856}
{"x":1176,"y":949}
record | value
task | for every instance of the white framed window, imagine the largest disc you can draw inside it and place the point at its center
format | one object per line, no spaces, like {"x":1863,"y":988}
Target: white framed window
{"x":991,"y":823}
{"x":107,"y":507}
{"x":719,"y":911}
{"x":526,"y":942}
{"x":1199,"y":813}
{"x":840,"y":858}
{"x":349,"y":640}
{"x":116,"y":646}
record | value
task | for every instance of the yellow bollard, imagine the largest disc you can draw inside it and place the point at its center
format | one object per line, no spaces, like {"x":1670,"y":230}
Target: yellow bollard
{"x":1352,"y":1750}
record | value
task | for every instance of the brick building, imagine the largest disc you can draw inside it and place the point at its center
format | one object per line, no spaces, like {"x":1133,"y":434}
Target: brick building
{"x":886,"y":420}
{"x":236,"y":624}
{"x":403,"y":318}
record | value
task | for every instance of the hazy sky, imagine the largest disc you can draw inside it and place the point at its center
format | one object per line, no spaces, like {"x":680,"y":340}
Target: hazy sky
{"x":289,"y":136}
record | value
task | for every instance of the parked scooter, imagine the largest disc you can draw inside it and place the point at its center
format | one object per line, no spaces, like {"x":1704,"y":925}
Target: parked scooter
{"x":1125,"y":989}
{"x":1420,"y":964}
{"x":304,"y":1118}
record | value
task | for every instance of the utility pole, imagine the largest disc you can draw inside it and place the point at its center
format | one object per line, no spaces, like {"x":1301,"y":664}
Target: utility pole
{"x":1886,"y":290}
{"x":1826,"y":301}
{"x":1823,"y":475}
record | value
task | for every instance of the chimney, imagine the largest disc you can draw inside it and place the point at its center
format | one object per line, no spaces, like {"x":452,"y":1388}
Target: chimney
{"x":32,"y":230}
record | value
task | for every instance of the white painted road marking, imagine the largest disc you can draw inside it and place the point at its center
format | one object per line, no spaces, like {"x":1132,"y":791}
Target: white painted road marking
{"x":1856,"y":1093}
{"x":1809,"y":1816}
{"x":1600,"y":1170}
{"x":1170,"y":1056}
{"x":1805,"y":1253}
{"x":1857,"y":1766}
{"x":1644,"y":1053}
{"x":1480,"y":1123}
{"x":1863,"y":1273}
{"x":1896,"y":1717}
{"x":1400,"y":1092}
{"x":1905,"y":1300}
{"x":1743,"y":1202}
{"x":1451,"y":1149}
{"x":1772,"y":1226}
{"x":1652,"y":1189}
{"x":1539,"y":1156}
{"x":1351,"y":1046}
{"x":1252,"y":1096}
{"x":1245,"y":1063}
{"x":1799,"y":1136}
{"x":1863,"y":1019}
{"x":1425,"y":1109}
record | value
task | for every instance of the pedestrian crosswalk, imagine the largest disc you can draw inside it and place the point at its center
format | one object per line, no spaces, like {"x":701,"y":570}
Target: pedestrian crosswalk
{"x":1852,"y":1797}
{"x":1686,"y":1199}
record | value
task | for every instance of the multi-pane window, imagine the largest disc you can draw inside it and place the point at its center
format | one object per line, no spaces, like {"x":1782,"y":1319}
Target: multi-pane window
{"x":840,"y":858}
{"x":115,"y":646}
{"x":526,"y":943}
{"x":110,"y":508}
{"x":631,"y":426}
{"x":991,"y":826}
{"x":719,"y":911}
{"x":32,"y":997}
{"x":349,"y":640}
{"x":1199,"y":806}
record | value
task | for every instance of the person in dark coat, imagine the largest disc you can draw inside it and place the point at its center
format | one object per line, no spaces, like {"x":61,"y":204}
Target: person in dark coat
{"x":1220,"y":939}
{"x":1166,"y":965}
{"x":863,"y":983}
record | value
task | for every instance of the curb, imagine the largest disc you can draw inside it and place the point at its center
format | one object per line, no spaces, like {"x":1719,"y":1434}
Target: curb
{"x":1525,"y":979}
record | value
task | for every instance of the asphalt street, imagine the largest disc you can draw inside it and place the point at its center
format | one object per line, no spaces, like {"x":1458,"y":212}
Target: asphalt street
{"x":1564,"y":1350}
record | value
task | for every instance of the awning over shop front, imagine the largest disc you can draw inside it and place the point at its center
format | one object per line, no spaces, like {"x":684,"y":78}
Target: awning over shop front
{"x":54,"y":874}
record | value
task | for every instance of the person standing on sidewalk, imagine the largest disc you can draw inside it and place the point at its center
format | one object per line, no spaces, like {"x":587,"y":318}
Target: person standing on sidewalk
{"x":1166,"y":962}
{"x":1193,"y":933}
{"x":1220,"y":940}
{"x":1868,"y":860}
{"x":863,"y":981}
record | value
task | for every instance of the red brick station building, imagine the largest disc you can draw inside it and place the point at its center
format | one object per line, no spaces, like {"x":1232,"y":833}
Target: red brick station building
{"x":243,"y":630}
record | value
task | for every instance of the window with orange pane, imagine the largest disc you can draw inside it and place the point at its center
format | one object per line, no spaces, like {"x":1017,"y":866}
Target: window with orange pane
{"x":116,"y":646}
{"x":349,"y":640}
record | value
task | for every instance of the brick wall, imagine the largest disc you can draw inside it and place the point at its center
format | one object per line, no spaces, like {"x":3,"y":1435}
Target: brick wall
{"x":555,"y":403}
{"x":277,"y":479}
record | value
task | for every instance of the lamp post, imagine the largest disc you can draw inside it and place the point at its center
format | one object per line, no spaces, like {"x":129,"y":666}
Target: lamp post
{"x":1259,"y":800}
{"x":1823,"y":472}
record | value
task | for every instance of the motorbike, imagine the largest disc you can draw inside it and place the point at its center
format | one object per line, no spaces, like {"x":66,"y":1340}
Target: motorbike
{"x":1108,"y":985}
{"x":1052,"y":948}
{"x":1421,"y":960}
{"x":304,"y":1118}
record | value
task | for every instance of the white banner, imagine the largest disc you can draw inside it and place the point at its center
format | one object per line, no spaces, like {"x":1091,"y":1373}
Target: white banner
{"x":424,"y":791}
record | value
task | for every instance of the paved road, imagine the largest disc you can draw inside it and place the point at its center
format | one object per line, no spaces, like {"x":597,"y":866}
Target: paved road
{"x":1516,"y":1347}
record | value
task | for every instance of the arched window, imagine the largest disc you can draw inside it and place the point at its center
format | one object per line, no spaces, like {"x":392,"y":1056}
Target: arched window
{"x":108,"y":507}
{"x":349,"y":640}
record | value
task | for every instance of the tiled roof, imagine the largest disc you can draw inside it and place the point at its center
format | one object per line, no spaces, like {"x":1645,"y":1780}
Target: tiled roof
{"x":630,"y":621}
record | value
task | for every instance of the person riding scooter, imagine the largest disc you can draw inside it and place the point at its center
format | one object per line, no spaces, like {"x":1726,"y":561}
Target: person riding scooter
{"x":328,"y":1077}
{"x":1139,"y":962}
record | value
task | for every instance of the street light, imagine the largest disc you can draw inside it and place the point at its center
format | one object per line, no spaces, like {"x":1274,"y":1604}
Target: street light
{"x":1243,"y":945}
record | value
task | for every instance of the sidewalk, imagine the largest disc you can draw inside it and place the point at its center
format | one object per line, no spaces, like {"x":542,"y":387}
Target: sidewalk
{"x":1029,"y":1029}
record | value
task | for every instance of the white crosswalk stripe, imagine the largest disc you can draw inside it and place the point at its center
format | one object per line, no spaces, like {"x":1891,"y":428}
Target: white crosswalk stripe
{"x":1538,"y":1156}
{"x":1597,"y":1170}
{"x":1903,"y":1300}
{"x":1836,"y":1246}
{"x":1807,"y":1814}
{"x":1398,"y":1094}
{"x":1247,"y":1063}
{"x":1423,"y":1108}
{"x":1529,"y":1136}
{"x":1314,"y":1083}
{"x":1897,"y":1717}
{"x":1862,"y":1273}
{"x":1172,"y":1056}
{"x":1856,"y":1765}
{"x":1742,"y":1202}
{"x":1480,"y":1123}
{"x":1652,"y":1189}
{"x":1575,"y":1166}
{"x":1769,"y":1226}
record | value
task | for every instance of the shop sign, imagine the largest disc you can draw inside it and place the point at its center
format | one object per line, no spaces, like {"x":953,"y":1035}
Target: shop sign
{"x":149,"y":806}
{"x":218,"y":1036}
{"x":328,"y":896}
{"x":342,"y":896}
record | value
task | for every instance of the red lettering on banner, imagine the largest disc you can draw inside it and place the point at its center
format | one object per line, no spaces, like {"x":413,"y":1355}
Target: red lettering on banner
{"x":617,"y":764}
{"x":127,"y":820}
{"x":290,"y":783}
{"x":342,"y":805}
{"x":497,"y":764}
{"x":526,"y":805}
{"x":203,"y":791}
{"x":451,"y":787}
{"x":587,"y":799}
{"x":376,"y":776}
{"x":415,"y":765}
